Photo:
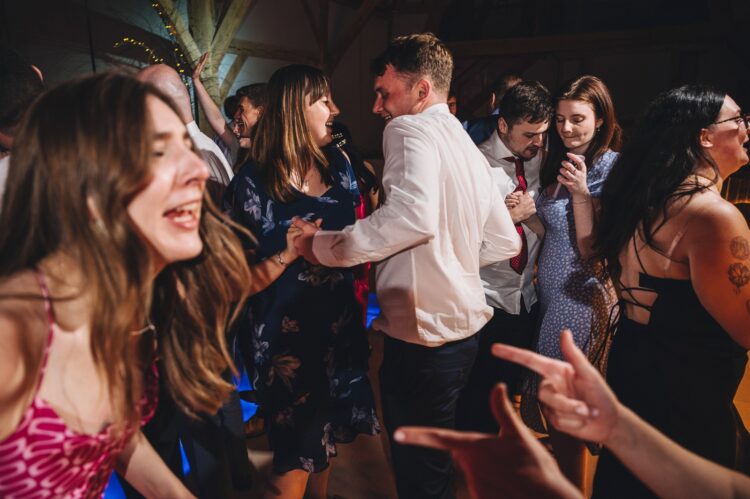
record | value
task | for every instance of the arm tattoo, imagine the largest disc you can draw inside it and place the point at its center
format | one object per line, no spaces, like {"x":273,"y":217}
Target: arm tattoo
{"x":740,"y":248}
{"x":739,"y":275}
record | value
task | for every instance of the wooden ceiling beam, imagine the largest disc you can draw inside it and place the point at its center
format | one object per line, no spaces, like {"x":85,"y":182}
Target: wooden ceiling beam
{"x":268,"y":51}
{"x":229,"y":24}
{"x":182,"y":31}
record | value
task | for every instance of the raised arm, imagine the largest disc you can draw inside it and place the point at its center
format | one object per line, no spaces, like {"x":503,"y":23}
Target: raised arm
{"x":585,"y":207}
{"x":210,"y":109}
{"x":717,"y":245}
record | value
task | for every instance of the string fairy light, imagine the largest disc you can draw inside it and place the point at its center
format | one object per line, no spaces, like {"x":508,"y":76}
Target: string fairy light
{"x":180,"y":61}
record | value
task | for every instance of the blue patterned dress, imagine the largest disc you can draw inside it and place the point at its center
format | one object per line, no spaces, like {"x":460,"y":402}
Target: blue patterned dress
{"x":309,"y":348}
{"x":572,"y":293}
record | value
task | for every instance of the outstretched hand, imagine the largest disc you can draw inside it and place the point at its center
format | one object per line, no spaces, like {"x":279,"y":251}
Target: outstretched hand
{"x":303,"y":242}
{"x":511,"y":464}
{"x":575,"y":397}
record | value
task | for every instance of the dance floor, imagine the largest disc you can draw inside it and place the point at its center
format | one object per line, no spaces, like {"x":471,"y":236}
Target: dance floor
{"x":361,"y":469}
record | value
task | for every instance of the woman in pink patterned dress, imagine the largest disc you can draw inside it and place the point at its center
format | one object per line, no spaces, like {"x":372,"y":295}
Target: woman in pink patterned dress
{"x":110,"y":256}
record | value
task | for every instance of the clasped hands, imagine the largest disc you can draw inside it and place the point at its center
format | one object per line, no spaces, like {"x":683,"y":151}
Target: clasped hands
{"x":304,"y":238}
{"x":575,"y":399}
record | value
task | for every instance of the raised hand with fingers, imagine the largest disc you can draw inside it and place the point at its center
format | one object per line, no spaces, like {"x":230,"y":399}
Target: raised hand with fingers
{"x":573,"y":176}
{"x":575,"y":397}
{"x":511,"y":464}
{"x":199,"y":67}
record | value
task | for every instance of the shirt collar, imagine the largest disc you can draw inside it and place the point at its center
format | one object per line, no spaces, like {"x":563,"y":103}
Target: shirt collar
{"x":441,"y":107}
{"x":499,"y":149}
{"x":192,"y":127}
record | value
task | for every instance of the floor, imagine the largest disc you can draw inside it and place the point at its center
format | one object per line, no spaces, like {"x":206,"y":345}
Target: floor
{"x":361,"y":470}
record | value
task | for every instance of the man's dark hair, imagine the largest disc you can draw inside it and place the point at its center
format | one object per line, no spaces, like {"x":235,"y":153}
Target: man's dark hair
{"x":417,"y":56}
{"x":256,"y":92}
{"x":230,"y":106}
{"x":501,"y":86}
{"x":19,"y":86}
{"x":527,"y":101}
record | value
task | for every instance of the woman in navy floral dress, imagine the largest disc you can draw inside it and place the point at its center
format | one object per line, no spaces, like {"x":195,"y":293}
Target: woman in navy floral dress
{"x":573,"y":291}
{"x":309,"y":348}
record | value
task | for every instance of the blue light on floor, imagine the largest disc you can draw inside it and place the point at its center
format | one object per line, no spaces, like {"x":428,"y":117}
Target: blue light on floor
{"x":114,"y":489}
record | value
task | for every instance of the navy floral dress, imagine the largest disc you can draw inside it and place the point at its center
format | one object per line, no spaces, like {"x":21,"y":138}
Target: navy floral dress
{"x":308,"y":344}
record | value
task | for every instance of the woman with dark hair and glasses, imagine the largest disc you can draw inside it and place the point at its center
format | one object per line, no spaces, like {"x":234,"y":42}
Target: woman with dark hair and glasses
{"x":679,"y":256}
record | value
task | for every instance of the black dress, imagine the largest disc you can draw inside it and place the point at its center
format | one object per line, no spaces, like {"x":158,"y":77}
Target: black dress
{"x":679,"y":373}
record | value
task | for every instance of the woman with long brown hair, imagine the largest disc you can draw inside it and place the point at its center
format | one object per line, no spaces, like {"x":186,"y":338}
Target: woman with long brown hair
{"x":111,"y":257}
{"x":309,"y":348}
{"x":573,"y":293}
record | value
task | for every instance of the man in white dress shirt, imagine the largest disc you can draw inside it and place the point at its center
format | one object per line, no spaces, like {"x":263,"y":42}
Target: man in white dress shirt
{"x":441,"y":220}
{"x":515,"y":153}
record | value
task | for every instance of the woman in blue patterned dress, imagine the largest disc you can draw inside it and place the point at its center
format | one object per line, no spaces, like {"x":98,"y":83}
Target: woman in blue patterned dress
{"x":309,"y":347}
{"x":573,"y":293}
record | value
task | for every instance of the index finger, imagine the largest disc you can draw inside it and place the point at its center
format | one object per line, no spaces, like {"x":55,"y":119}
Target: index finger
{"x":537,"y":363}
{"x":436,"y":438}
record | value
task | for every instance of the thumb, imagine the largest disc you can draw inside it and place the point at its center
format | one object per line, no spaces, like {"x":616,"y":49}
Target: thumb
{"x":505,"y":414}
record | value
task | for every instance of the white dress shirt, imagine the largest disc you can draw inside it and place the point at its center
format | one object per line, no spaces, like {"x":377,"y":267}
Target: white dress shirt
{"x":503,"y":286}
{"x":221,"y":170}
{"x":441,"y":220}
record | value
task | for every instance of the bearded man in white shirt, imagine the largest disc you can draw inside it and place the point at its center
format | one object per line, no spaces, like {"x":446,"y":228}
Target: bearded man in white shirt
{"x":442,"y":219}
{"x":515,"y":153}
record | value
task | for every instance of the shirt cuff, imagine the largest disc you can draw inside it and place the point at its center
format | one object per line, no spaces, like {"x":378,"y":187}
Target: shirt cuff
{"x":322,"y":247}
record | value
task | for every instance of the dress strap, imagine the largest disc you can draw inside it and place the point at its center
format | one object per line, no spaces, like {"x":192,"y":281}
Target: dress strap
{"x":50,"y":323}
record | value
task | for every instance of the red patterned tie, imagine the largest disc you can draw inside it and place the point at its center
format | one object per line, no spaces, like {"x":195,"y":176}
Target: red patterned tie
{"x":518,"y":263}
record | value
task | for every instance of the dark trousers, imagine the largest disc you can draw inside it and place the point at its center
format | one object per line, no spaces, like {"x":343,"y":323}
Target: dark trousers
{"x":420,"y":386}
{"x":473,"y":411}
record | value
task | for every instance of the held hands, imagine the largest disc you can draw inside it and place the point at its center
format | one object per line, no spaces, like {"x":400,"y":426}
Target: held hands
{"x":290,"y":253}
{"x":199,"y":67}
{"x":520,"y":206}
{"x":573,"y":176}
{"x":575,"y":397}
{"x":511,"y":464}
{"x":303,"y":242}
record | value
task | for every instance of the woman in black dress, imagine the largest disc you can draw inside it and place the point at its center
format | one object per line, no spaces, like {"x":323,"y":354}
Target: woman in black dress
{"x":679,"y":255}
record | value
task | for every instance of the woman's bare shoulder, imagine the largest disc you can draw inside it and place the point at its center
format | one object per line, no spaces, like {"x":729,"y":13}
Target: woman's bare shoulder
{"x":707,"y":210}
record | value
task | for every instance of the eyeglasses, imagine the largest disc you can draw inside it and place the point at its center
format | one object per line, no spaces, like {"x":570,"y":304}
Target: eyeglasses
{"x":743,"y":118}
